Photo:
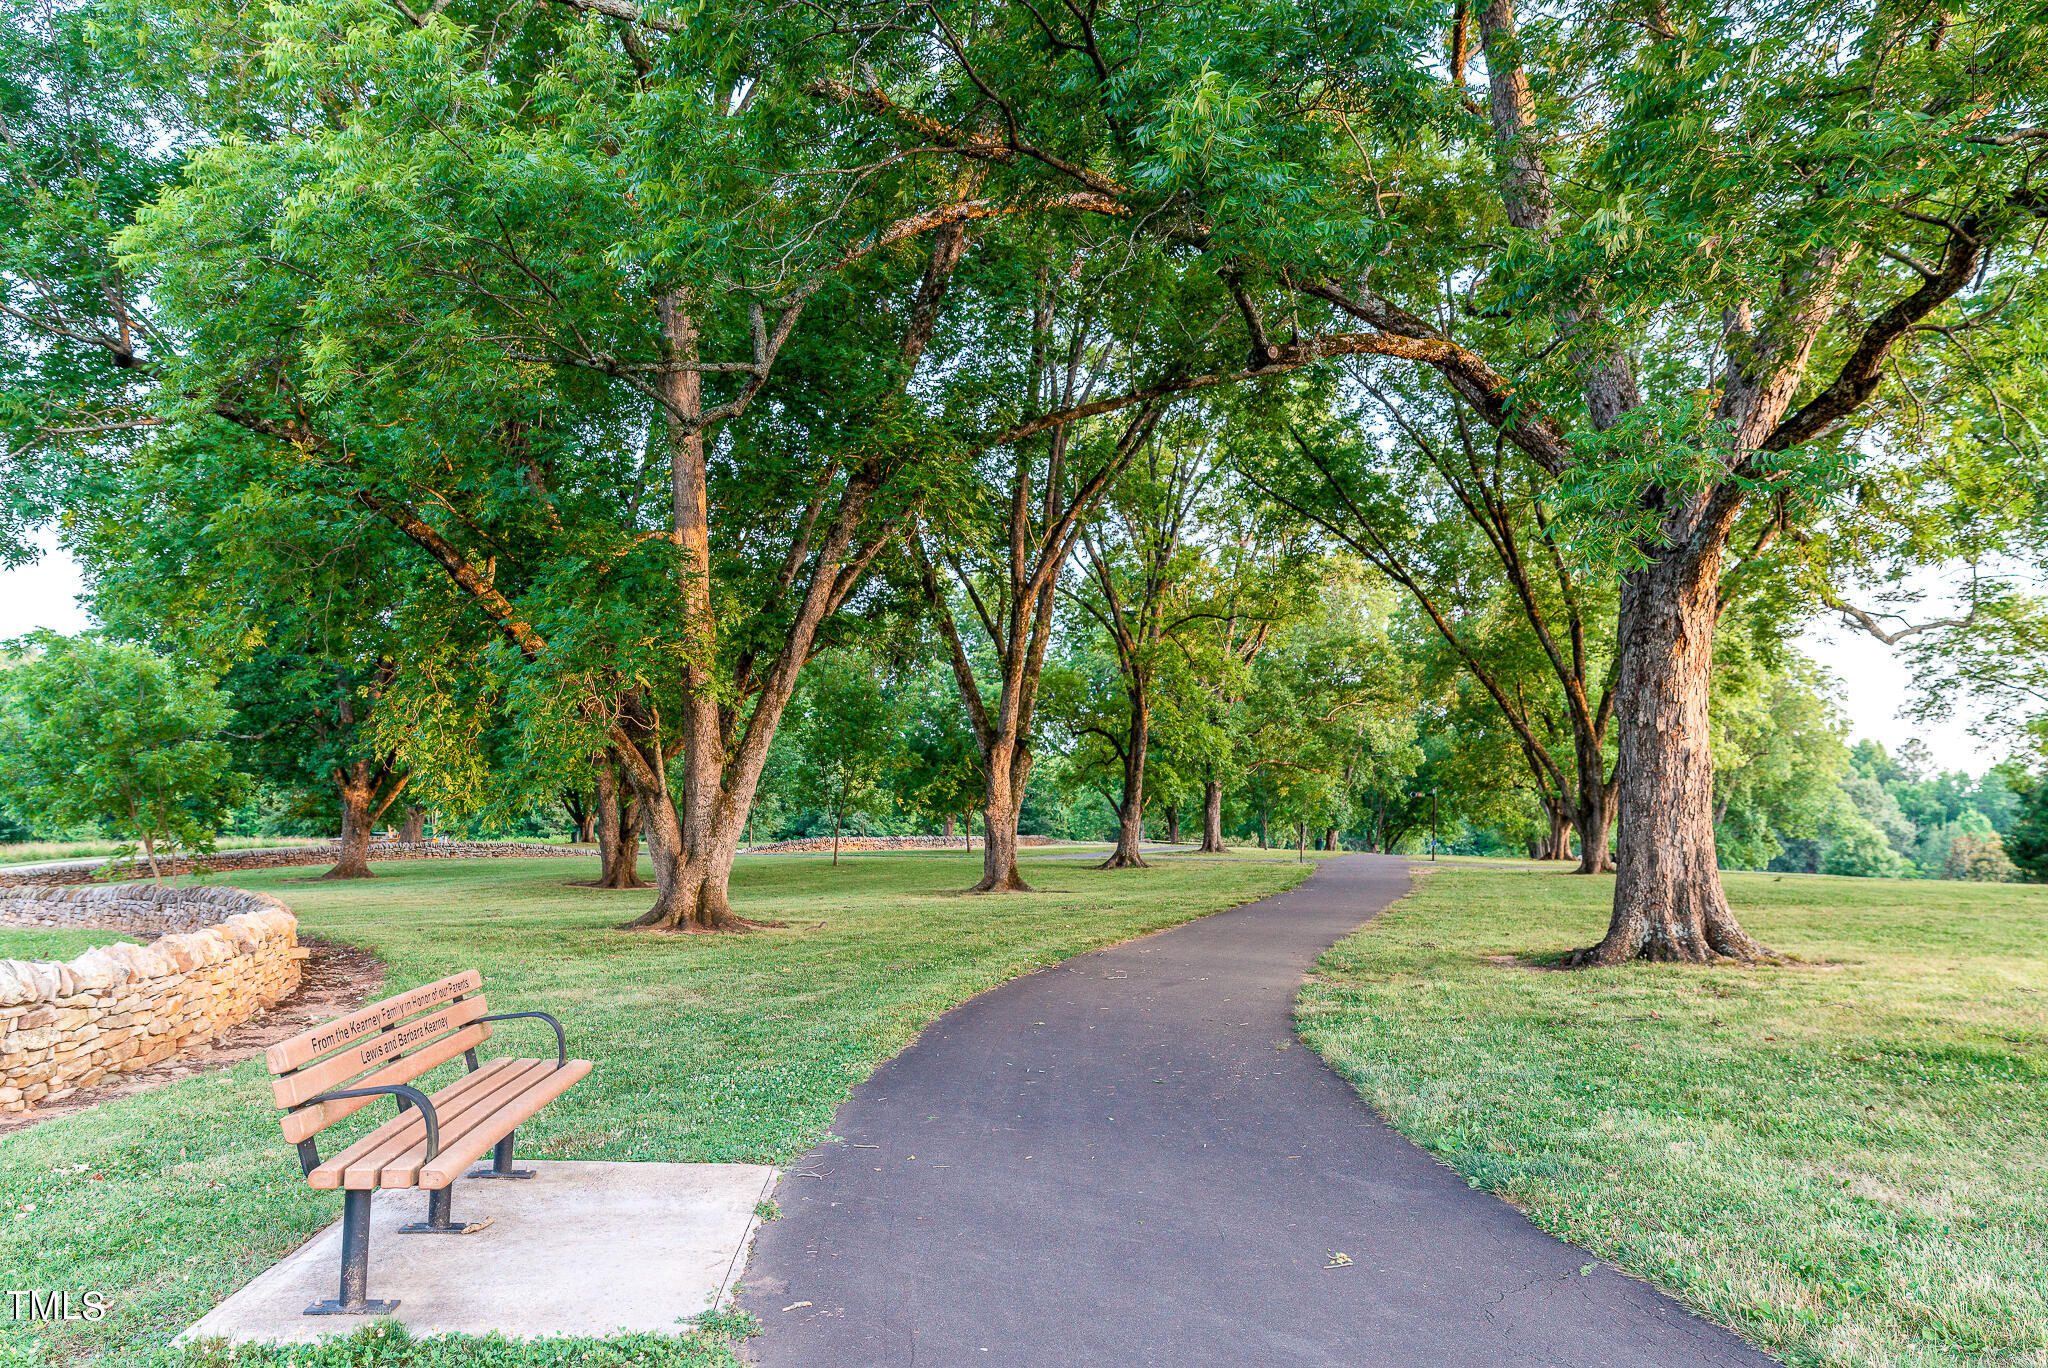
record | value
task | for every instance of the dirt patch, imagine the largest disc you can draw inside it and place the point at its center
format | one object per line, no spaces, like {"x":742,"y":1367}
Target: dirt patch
{"x":333,"y":980}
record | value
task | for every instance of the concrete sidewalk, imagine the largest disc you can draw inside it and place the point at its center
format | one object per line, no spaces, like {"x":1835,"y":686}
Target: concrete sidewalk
{"x":578,"y":1249}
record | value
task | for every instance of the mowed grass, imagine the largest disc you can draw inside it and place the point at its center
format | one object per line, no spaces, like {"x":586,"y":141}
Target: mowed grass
{"x":1846,"y":1160}
{"x":708,"y":1048}
{"x":54,"y":942}
{"x":31,"y":852}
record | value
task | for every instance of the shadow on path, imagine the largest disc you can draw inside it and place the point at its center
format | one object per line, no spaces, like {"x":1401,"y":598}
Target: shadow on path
{"x":1128,"y":1159}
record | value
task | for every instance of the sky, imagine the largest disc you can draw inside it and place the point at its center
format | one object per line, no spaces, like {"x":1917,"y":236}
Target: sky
{"x":1875,"y":683}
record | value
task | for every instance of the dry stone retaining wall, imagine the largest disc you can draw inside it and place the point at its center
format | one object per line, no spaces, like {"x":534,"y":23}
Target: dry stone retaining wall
{"x":87,"y":871}
{"x":117,"y":1008}
{"x":809,"y":844}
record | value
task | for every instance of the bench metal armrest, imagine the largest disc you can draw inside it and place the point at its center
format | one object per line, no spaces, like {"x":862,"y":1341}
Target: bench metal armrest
{"x":404,"y":1094}
{"x":561,"y":1041}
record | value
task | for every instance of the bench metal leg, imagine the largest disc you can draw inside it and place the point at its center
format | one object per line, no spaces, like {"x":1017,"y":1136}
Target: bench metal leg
{"x":355,"y":1263}
{"x":439,"y":1220}
{"x":501,"y":1164}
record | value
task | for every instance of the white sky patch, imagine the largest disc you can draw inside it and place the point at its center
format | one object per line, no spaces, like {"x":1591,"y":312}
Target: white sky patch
{"x":1875,"y":685}
{"x":43,"y":594}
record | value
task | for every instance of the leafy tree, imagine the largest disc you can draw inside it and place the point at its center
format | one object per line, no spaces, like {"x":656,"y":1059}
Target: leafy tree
{"x":1851,"y":844}
{"x":1778,"y":759}
{"x":2027,"y":842}
{"x":1138,"y":563}
{"x":938,"y":772}
{"x":845,"y":742}
{"x":1470,"y":534}
{"x":93,"y":732}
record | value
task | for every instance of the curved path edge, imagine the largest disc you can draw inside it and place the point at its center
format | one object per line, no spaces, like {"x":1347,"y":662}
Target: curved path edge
{"x":1129,"y":1159}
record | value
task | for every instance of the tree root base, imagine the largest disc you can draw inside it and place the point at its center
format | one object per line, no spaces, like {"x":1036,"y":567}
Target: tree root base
{"x":1591,"y":957}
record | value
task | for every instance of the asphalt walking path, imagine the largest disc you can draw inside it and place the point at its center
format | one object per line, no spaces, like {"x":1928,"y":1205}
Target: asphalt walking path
{"x":1128,"y":1159}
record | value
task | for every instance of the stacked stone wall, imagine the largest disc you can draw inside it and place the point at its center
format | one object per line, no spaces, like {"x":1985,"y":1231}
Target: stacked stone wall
{"x":118,"y":1008}
{"x":853,"y":844}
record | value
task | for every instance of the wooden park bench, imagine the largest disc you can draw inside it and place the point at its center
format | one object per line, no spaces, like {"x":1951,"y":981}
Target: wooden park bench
{"x":334,"y":1070}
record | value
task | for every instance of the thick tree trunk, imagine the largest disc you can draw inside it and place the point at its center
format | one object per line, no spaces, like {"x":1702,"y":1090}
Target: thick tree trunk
{"x":413,"y":830}
{"x":1003,"y":802}
{"x":1330,"y":839}
{"x":949,"y":827}
{"x":1212,"y":818}
{"x":1668,"y":902}
{"x":356,"y":822}
{"x":1172,"y":825}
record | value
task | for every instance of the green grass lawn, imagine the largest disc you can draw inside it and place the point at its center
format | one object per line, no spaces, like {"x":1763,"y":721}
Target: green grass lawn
{"x":1845,"y":1160}
{"x":54,"y":942}
{"x":716,"y":1048}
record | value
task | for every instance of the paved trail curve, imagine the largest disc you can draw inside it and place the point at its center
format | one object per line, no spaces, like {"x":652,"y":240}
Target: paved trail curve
{"x":1128,"y":1160}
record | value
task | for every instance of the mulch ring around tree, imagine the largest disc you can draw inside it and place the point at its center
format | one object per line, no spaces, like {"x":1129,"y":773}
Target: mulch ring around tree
{"x":333,"y":980}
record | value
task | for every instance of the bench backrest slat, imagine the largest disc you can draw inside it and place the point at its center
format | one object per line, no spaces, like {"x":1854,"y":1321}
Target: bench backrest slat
{"x":397,"y":1046}
{"x":303,"y":1049}
{"x":307,"y":1122}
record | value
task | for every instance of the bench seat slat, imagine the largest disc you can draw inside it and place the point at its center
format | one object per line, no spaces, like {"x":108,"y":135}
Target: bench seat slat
{"x":310,"y":1045}
{"x":454,"y":1159}
{"x":408,"y":1128}
{"x":395,"y":1162}
{"x":396,"y":1050}
{"x":475,"y":1112}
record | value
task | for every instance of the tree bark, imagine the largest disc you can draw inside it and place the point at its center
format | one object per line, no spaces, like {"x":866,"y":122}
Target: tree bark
{"x":367,"y":788}
{"x":413,"y":830}
{"x":618,"y":818}
{"x":1330,"y":839}
{"x":1212,"y":818}
{"x":1003,"y":802}
{"x":1130,"y":813}
{"x":1172,"y":824}
{"x":1668,"y":901}
{"x":949,"y":833}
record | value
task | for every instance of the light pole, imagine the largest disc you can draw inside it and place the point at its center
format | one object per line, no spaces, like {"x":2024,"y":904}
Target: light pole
{"x":1432,"y":820}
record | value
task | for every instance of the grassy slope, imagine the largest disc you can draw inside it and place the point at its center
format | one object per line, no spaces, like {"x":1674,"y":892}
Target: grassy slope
{"x":53,"y":942}
{"x":708,"y":1049}
{"x":35,"y":852}
{"x":1844,"y":1161}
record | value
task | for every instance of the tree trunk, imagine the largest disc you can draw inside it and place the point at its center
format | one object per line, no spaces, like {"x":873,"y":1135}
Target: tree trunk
{"x":1264,"y":834}
{"x":1003,"y":802}
{"x":1212,"y":818}
{"x":619,"y":822}
{"x":949,"y":827}
{"x":837,"y":819}
{"x":1557,"y":842}
{"x":1130,"y":814}
{"x":356,"y":821}
{"x":1668,"y":902}
{"x":1594,"y":813}
{"x":1330,"y":839}
{"x":1172,"y":825}
{"x":413,"y":830}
